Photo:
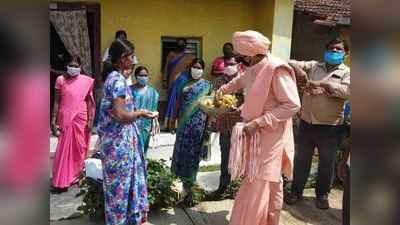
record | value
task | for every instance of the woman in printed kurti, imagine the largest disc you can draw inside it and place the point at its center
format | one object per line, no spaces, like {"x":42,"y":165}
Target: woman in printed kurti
{"x":146,"y":97}
{"x":191,"y":126}
{"x":124,"y":169}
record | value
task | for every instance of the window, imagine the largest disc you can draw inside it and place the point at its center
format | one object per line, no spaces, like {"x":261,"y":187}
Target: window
{"x":194,"y":46}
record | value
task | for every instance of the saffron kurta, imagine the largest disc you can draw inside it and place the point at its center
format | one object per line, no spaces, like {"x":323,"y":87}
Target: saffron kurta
{"x":271,"y":100}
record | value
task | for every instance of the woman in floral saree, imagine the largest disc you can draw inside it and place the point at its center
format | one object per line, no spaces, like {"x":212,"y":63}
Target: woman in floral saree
{"x":192,"y":122}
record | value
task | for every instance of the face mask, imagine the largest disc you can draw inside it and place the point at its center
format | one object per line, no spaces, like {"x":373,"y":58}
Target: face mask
{"x":142,"y":80}
{"x":73,"y":71}
{"x":227,"y":52}
{"x":231,"y":70}
{"x":334,"y":58}
{"x":196,"y":73}
{"x":243,"y":61}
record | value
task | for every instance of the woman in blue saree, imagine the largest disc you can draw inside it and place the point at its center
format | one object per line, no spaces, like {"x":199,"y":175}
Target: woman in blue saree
{"x":146,"y":97}
{"x":192,"y":122}
{"x":174,"y":78}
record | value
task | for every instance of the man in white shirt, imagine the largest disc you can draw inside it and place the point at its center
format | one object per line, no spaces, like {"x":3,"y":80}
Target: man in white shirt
{"x":120,"y":34}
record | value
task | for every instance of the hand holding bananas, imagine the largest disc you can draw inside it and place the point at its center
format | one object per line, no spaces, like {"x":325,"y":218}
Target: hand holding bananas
{"x":224,"y":102}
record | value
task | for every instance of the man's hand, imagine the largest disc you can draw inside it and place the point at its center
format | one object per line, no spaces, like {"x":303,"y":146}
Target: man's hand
{"x":327,"y":86}
{"x":341,"y":170}
{"x":219,"y":93}
{"x":165,"y":84}
{"x":315,"y":88}
{"x":251,"y":128}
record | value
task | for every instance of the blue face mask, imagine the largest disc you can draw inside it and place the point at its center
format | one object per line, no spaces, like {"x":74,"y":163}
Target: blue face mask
{"x":142,"y":80}
{"x":334,"y":58}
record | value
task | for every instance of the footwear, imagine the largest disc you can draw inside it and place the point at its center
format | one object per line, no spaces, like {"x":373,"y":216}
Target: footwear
{"x":322,"y":203}
{"x":216,"y":195}
{"x":292,"y":198}
{"x":56,"y":190}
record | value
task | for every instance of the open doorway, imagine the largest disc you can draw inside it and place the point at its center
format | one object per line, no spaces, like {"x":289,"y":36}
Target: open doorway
{"x":58,"y":51}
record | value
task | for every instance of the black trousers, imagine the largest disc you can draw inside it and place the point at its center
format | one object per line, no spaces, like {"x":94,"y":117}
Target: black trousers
{"x":225,"y":143}
{"x":346,"y":199}
{"x":326,"y":139}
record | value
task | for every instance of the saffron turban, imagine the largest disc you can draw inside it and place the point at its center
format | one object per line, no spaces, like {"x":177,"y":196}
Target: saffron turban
{"x":250,"y":43}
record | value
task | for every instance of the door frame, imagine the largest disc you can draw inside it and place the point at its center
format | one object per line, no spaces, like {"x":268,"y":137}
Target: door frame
{"x":92,"y":7}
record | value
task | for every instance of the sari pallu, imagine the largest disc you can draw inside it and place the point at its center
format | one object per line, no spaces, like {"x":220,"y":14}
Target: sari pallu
{"x":145,"y":99}
{"x":175,"y":90}
{"x":190,"y":132}
{"x":72,"y":118}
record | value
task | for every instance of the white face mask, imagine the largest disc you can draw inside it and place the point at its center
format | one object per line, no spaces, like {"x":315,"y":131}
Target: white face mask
{"x":231,"y":70}
{"x":73,"y":71}
{"x":196,"y":73}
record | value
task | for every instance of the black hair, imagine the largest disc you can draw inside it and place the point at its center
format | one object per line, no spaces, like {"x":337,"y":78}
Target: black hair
{"x":228,"y":44}
{"x":337,"y":40}
{"x":73,"y":58}
{"x":117,"y":49}
{"x":119,"y":33}
{"x":198,"y":60}
{"x":140,"y":68}
{"x":120,"y":48}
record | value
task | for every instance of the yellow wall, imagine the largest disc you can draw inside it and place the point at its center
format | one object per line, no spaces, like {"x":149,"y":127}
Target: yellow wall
{"x":345,"y":35}
{"x":264,"y":13}
{"x":146,"y":21}
{"x":282,"y":28}
{"x":214,"y":20}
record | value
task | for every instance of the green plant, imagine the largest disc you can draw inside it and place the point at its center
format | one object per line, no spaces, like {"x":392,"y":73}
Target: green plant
{"x":160,"y":186}
{"x":93,"y":197}
{"x":194,"y":197}
{"x":232,"y":189}
{"x":209,"y":168}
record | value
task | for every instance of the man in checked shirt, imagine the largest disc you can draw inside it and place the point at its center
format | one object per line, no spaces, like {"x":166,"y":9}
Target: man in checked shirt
{"x":225,"y":122}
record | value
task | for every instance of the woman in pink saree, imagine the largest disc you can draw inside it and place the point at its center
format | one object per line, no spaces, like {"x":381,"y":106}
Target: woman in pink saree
{"x":71,"y":122}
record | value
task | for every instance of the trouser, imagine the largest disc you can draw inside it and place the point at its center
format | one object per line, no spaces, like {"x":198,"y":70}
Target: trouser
{"x":257,"y":203}
{"x":325,"y":138}
{"x":346,"y":199}
{"x":225,"y":143}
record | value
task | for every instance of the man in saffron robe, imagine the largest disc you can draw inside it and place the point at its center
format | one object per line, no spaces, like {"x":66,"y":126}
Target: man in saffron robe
{"x":271,"y":99}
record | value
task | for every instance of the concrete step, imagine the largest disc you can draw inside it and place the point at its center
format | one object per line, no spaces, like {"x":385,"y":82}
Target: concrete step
{"x":163,"y":150}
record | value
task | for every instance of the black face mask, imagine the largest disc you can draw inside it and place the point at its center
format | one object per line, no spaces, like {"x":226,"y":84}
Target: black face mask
{"x":227,"y":52}
{"x":240,"y":59}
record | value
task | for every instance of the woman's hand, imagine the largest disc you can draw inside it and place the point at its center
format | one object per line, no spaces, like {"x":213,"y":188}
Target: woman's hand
{"x":90,"y":124}
{"x":165,"y":84}
{"x":148,"y":114}
{"x":251,"y":128}
{"x":55,"y":129}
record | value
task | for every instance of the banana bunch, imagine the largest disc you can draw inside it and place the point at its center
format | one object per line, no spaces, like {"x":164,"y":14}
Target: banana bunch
{"x":209,"y":103}
{"x":226,"y":102}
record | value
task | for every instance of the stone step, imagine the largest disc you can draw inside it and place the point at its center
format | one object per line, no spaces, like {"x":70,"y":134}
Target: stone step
{"x":163,"y":150}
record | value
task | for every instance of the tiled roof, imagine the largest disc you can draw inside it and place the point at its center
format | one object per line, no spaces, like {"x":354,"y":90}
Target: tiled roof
{"x":328,"y":11}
